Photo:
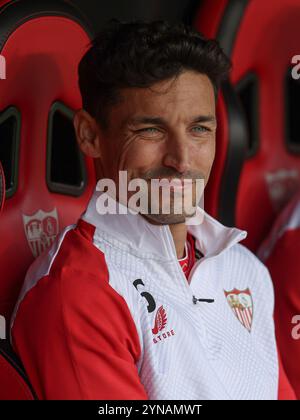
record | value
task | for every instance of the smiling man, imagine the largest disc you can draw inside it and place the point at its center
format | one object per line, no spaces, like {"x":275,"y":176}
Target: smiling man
{"x":147,"y":304}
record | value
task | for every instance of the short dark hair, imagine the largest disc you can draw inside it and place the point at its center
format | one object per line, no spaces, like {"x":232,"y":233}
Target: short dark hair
{"x":139,"y":54}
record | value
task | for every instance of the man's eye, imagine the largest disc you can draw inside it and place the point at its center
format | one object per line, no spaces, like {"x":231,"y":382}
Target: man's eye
{"x":201,"y":129}
{"x":148,"y":130}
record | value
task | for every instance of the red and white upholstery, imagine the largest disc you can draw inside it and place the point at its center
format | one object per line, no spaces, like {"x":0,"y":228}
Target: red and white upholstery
{"x":14,"y":384}
{"x":280,"y":252}
{"x":269,"y":172}
{"x":48,"y":180}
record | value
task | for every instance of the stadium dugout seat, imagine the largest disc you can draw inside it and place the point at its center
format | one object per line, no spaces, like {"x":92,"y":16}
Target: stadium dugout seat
{"x":14,"y":384}
{"x":48,"y":181}
{"x":251,"y":182}
{"x":280,"y":253}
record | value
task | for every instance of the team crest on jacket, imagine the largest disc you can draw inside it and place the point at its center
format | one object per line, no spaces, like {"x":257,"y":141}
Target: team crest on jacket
{"x":159,"y":324}
{"x":241,"y":304}
{"x":41,"y":230}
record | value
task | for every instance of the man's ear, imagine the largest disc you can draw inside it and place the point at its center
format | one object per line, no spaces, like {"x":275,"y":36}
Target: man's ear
{"x":87,"y":134}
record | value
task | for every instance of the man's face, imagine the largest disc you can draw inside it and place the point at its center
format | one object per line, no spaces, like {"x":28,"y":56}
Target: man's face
{"x":166,"y":131}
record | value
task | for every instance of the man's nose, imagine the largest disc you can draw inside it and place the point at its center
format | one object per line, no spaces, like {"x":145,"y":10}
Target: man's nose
{"x":177,"y":154}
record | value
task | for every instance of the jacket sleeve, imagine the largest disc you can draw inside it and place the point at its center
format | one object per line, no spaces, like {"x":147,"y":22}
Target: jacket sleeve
{"x":77,"y":339}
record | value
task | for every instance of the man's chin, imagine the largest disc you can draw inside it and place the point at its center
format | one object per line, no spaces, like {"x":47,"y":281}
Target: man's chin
{"x":165,"y":219}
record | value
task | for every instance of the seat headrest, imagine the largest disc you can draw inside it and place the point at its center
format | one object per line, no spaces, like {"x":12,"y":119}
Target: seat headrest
{"x":48,"y":181}
{"x":270,"y":174}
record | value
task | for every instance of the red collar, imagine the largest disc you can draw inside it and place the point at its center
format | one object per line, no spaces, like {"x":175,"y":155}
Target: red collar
{"x":188,"y":260}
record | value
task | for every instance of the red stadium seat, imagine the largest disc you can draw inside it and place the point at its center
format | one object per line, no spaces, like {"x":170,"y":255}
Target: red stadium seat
{"x":269,"y":174}
{"x":232,"y":140}
{"x":48,"y":181}
{"x":280,"y":252}
{"x":15,"y":385}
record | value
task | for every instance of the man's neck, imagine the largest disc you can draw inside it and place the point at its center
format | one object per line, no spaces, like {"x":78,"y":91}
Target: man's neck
{"x":179,"y":232}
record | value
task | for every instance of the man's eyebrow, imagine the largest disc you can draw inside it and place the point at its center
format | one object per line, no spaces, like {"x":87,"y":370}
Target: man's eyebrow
{"x":145,"y":120}
{"x":159,"y":120}
{"x":205,"y":118}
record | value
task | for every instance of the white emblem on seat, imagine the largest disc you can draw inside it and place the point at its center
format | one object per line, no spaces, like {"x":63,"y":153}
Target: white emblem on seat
{"x":41,"y":230}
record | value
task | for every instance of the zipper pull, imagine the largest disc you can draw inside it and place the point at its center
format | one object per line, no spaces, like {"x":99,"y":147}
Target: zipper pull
{"x":195,"y":300}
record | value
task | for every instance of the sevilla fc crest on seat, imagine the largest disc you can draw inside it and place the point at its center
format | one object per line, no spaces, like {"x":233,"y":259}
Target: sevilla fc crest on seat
{"x":41,"y":230}
{"x":241,"y":304}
